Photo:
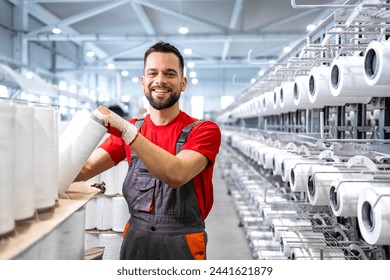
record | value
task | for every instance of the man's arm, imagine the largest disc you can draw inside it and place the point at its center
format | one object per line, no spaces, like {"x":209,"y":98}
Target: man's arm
{"x":172,"y":170}
{"x":98,"y":162}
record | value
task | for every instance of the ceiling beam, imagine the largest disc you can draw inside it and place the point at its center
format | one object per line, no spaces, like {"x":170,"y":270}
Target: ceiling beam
{"x":144,"y":19}
{"x":79,"y":17}
{"x":238,"y":5}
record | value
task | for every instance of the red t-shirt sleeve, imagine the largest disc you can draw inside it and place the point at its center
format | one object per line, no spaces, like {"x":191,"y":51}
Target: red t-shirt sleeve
{"x":204,"y":138}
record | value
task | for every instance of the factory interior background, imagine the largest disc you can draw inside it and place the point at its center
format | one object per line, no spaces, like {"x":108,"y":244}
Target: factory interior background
{"x":300,"y":90}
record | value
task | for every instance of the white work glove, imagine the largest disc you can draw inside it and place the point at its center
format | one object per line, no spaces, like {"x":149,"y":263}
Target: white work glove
{"x":110,"y":119}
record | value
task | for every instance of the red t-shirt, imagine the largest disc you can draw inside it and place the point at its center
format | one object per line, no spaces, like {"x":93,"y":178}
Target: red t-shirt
{"x":204,"y":138}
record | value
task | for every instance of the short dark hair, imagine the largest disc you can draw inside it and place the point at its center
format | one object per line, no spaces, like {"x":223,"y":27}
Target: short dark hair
{"x":165,"y":48}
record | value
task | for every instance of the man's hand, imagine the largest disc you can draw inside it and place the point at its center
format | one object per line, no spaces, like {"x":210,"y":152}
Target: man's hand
{"x":109,"y":118}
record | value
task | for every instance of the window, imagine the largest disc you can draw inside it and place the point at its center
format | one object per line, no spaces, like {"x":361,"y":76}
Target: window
{"x":197,"y":106}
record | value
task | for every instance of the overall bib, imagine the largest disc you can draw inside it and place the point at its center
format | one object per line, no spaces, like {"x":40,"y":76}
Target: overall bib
{"x":174,"y":229}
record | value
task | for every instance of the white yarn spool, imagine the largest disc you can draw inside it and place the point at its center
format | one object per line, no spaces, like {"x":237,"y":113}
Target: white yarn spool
{"x":268,"y":103}
{"x":123,"y":167}
{"x":112,"y":244}
{"x":120,"y":213}
{"x":90,"y":214}
{"x":269,"y":215}
{"x":269,"y":255}
{"x":315,"y":254}
{"x":258,"y":104}
{"x":287,"y":97}
{"x":301,"y":93}
{"x":373,"y":215}
{"x":280,"y":225}
{"x":268,"y":156}
{"x":56,"y":167}
{"x":289,"y":163}
{"x":45,"y":179}
{"x":277,"y":109}
{"x":320,"y":179}
{"x":103,"y":213}
{"x":377,"y":63}
{"x":264,"y":245}
{"x":257,"y":234}
{"x":77,"y":142}
{"x":279,"y":159}
{"x":344,"y":195}
{"x":301,"y":239}
{"x":109,"y":177}
{"x":298,"y":175}
{"x":7,"y":116}
{"x":319,"y":88}
{"x":346,"y":80}
{"x":23,"y":172}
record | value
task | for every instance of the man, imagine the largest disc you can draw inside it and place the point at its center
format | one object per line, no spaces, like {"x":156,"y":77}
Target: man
{"x":169,"y":192}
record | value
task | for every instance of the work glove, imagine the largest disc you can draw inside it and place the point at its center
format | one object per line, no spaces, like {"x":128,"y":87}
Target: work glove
{"x":128,"y":131}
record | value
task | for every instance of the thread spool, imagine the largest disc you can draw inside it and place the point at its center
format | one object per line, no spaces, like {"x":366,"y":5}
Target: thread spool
{"x":264,"y":245}
{"x":112,"y":243}
{"x":278,"y":162}
{"x":298,"y":175}
{"x":269,"y":255}
{"x":346,"y":80}
{"x":77,"y":142}
{"x":373,"y":215}
{"x":103,"y":213}
{"x":269,"y":215}
{"x":320,"y":179}
{"x":109,"y":177}
{"x":268,"y":103}
{"x":120,"y":213}
{"x":322,"y":253}
{"x":90,"y":214}
{"x":7,"y":116}
{"x":281,"y":225}
{"x":377,"y":63}
{"x":276,"y":101}
{"x":287,"y":97}
{"x":300,"y":239}
{"x":24,"y":162}
{"x":301,"y":92}
{"x":289,"y":163}
{"x":344,"y":195}
{"x":45,"y":180}
{"x":319,"y":88}
{"x":123,"y":167}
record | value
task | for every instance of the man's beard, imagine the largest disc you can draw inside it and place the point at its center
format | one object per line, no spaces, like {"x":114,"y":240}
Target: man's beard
{"x":160,"y":105}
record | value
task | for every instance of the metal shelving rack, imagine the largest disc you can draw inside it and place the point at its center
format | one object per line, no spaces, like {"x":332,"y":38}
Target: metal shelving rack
{"x":342,"y":130}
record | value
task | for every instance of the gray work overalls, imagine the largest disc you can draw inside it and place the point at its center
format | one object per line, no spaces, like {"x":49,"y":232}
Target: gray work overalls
{"x":162,"y":233}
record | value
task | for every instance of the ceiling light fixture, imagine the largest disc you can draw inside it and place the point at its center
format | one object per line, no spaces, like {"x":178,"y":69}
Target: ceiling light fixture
{"x":183,"y":30}
{"x":90,"y":54}
{"x":187,"y":51}
{"x":56,"y":30}
{"x":310,"y":27}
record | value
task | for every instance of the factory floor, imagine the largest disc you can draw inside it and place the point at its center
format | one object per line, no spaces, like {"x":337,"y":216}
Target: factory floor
{"x":226,"y":240}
